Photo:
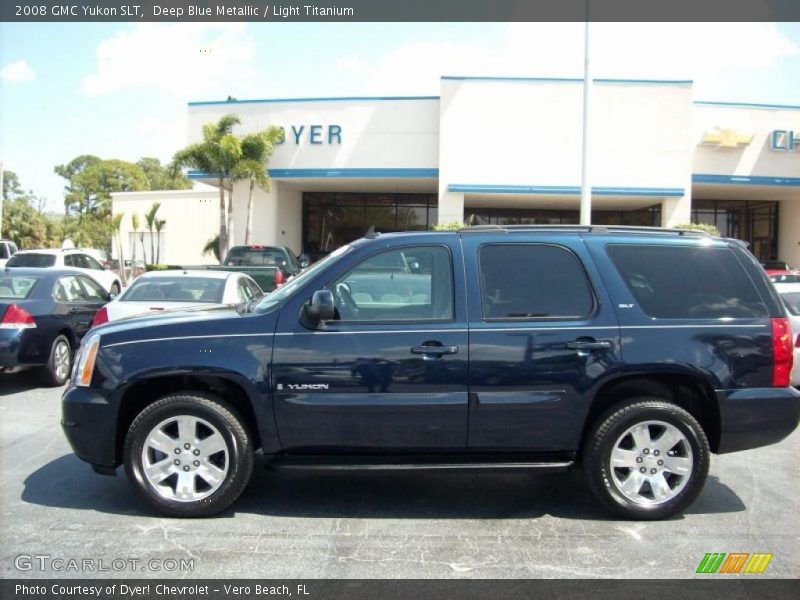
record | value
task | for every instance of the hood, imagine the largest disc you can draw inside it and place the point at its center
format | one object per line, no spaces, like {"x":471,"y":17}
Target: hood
{"x":187,"y":322}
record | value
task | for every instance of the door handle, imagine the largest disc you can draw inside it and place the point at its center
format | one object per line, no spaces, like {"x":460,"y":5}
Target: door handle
{"x":589,"y":345}
{"x":432,"y":350}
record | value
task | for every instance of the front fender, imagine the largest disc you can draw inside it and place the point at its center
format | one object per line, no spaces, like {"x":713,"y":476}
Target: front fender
{"x":130,"y":373}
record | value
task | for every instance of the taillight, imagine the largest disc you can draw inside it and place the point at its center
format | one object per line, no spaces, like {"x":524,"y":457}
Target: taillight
{"x":280,"y":278}
{"x":100,"y":317}
{"x":17,"y":317}
{"x":781,"y":352}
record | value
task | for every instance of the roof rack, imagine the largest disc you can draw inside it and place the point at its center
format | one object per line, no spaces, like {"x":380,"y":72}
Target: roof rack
{"x":586,"y":229}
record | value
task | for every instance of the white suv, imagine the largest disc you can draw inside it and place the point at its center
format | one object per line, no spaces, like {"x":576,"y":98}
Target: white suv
{"x":75,"y":259}
{"x":7,"y":249}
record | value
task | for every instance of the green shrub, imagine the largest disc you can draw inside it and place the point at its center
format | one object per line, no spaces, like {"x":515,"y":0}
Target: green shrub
{"x":451,"y":226}
{"x":711,"y":229}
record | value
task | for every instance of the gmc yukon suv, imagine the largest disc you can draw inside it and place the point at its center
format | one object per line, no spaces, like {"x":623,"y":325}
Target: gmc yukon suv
{"x":634,"y":352}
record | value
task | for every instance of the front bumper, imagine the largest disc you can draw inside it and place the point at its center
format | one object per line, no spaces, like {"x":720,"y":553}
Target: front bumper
{"x":89,"y":421}
{"x":756,"y":417}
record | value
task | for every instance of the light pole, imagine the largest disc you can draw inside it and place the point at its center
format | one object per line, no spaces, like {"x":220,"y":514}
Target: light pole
{"x":2,"y":199}
{"x":586,"y":184}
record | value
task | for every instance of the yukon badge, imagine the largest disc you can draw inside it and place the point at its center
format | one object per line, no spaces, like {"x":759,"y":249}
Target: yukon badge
{"x":303,"y":387}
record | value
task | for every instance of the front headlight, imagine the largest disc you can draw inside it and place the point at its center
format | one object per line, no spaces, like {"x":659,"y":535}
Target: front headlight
{"x":84,"y":362}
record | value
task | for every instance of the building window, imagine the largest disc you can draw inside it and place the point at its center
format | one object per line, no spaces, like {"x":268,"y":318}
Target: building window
{"x":754,"y":221}
{"x":332,"y":219}
{"x":649,"y":216}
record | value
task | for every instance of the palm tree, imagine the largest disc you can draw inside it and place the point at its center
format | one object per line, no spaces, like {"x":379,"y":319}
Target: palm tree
{"x":150,"y":221}
{"x":212,"y":247}
{"x":135,"y":229}
{"x":216,"y":155}
{"x":159,"y":226}
{"x":257,"y":149}
{"x":116,"y":226}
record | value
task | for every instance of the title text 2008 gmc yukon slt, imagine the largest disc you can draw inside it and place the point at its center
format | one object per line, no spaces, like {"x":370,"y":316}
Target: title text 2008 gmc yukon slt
{"x":634,"y":352}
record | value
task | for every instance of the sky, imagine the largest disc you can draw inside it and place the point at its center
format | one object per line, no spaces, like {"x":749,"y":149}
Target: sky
{"x":120,"y":90}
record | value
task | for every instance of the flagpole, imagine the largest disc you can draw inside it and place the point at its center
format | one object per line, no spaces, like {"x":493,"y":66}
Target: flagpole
{"x":586,"y":184}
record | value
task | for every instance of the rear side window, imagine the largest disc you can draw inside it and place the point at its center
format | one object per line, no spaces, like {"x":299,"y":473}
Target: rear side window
{"x":529,"y":281}
{"x":13,"y":287}
{"x":687,"y":282}
{"x":32,"y":260}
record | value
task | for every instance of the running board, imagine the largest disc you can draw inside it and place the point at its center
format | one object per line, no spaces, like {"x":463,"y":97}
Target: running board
{"x":308,"y":463}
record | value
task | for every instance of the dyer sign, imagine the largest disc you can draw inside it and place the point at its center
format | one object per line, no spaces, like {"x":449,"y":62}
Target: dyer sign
{"x":312,"y":134}
{"x":782,"y":140}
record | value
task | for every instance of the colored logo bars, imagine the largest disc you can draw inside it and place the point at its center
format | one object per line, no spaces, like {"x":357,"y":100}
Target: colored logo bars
{"x":735,"y":562}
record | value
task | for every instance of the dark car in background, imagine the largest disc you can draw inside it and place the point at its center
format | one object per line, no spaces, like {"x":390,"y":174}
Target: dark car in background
{"x":270,"y":266}
{"x":44,"y":313}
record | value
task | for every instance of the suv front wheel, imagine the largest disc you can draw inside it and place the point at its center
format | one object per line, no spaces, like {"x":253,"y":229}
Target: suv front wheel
{"x":188,"y":455}
{"x":646,"y":459}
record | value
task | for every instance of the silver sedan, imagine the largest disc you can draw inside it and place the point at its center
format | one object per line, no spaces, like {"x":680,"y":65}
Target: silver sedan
{"x":169,"y":290}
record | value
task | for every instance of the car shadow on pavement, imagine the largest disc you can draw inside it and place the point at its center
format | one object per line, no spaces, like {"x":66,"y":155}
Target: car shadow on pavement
{"x":14,"y":383}
{"x":69,"y":483}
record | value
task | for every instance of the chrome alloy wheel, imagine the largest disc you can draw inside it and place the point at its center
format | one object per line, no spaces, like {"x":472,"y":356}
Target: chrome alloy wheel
{"x":651,"y":462}
{"x":61,"y":360}
{"x":185,"y":458}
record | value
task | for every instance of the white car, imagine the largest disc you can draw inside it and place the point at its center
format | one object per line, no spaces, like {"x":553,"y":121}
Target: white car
{"x":7,"y":250}
{"x":74,"y":259}
{"x":168,"y":290}
{"x":790,"y":294}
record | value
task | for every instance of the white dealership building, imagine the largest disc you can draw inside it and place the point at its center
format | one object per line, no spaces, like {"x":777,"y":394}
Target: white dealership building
{"x":500,"y":150}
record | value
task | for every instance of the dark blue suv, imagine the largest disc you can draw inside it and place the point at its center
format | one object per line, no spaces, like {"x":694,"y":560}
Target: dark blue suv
{"x":636,"y":352}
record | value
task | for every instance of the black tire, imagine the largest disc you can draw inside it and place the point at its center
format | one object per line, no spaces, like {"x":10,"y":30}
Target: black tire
{"x":115,"y":288}
{"x":228,"y":423}
{"x":603,"y":436}
{"x":49,"y":374}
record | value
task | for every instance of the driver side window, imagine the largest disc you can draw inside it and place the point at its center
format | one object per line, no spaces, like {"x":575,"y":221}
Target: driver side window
{"x":405,"y":284}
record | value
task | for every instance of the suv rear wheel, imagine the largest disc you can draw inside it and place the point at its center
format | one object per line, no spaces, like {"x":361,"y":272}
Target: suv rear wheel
{"x":188,"y":455}
{"x":646,"y":459}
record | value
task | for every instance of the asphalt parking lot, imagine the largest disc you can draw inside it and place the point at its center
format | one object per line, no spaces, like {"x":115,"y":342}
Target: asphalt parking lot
{"x":364,"y":525}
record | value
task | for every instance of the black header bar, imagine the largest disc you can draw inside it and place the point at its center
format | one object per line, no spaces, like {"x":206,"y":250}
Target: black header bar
{"x":276,"y":11}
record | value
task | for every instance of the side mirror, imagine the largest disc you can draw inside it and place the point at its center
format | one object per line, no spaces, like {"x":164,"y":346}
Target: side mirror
{"x":304,"y":261}
{"x":321,"y":308}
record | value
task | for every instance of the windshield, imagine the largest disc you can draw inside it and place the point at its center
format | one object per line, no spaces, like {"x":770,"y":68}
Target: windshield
{"x":31,"y":260}
{"x":13,"y":287}
{"x":792,"y":301}
{"x":245,"y":256}
{"x":175,"y":289}
{"x":785,"y":278}
{"x":272,"y":299}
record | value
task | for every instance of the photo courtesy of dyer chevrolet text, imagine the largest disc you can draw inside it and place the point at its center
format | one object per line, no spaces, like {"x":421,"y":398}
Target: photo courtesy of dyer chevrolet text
{"x":161,"y":589}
